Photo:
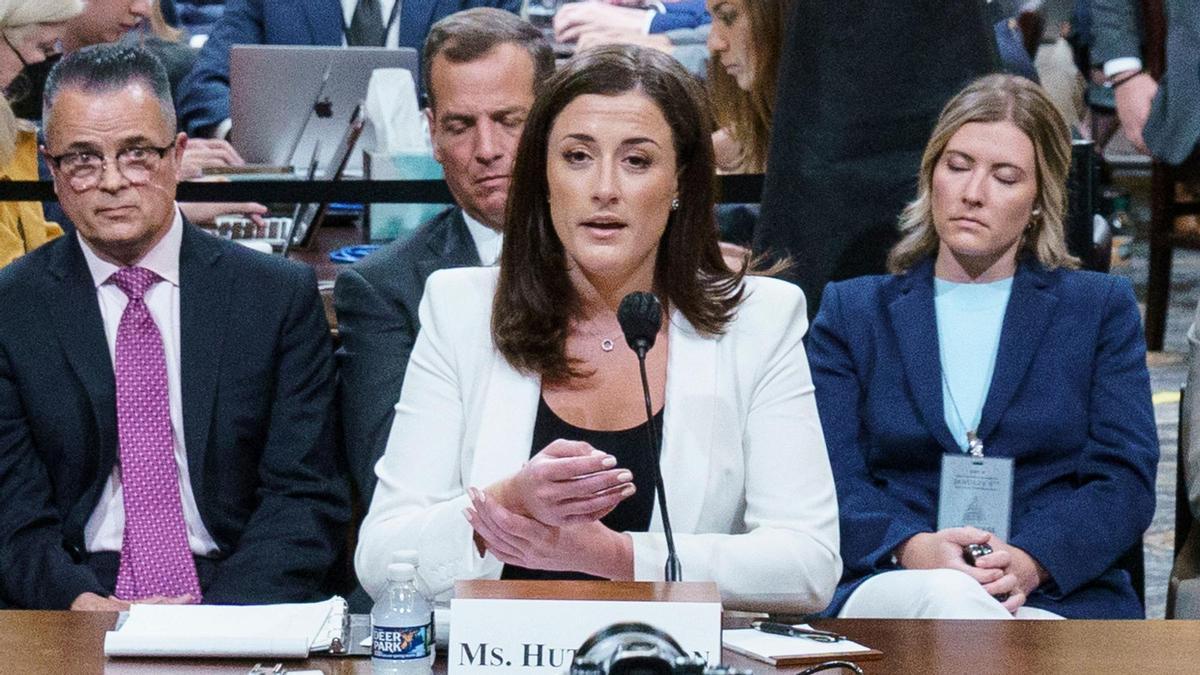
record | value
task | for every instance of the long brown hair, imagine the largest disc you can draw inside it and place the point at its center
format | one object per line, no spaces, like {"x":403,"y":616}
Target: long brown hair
{"x":997,"y":98}
{"x":535,"y":301}
{"x":747,"y":114}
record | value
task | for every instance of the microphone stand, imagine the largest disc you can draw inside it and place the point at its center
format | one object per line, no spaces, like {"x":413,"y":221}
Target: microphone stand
{"x":672,"y":570}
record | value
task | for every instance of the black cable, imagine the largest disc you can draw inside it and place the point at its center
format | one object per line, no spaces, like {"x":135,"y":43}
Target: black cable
{"x":672,"y":569}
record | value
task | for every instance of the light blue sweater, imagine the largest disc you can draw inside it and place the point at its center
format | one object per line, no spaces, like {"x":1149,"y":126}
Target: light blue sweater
{"x":969,"y":319}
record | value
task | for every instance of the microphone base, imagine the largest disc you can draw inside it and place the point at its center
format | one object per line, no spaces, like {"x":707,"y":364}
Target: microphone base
{"x":673,"y":571}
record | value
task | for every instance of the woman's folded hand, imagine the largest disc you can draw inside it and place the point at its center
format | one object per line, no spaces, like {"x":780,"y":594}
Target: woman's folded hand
{"x":515,"y":539}
{"x":568,"y":482}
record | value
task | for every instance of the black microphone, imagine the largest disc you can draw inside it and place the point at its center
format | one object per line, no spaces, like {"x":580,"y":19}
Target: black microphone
{"x":640,"y":316}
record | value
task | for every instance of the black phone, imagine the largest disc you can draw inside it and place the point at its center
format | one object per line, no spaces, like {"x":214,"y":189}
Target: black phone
{"x":973,"y":552}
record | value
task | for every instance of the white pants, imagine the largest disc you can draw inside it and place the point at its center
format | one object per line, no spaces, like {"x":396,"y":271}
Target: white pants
{"x":929,"y":594}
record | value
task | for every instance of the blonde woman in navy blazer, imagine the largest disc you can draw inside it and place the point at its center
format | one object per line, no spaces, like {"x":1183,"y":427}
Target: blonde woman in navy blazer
{"x":611,"y":193}
{"x":1068,"y":399}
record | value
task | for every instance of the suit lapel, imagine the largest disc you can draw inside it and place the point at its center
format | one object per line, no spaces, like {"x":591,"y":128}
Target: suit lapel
{"x":1030,"y":309}
{"x":325,"y":21}
{"x":70,"y":301}
{"x":692,"y":368}
{"x":505,"y":439}
{"x":454,"y":247}
{"x":914,"y":321}
{"x":204,"y":289}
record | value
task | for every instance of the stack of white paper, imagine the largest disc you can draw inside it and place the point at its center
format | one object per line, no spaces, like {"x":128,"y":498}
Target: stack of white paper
{"x":283,"y":631}
{"x":782,"y":649}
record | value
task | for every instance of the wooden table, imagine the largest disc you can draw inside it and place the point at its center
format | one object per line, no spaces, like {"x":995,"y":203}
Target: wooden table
{"x":72,"y":642}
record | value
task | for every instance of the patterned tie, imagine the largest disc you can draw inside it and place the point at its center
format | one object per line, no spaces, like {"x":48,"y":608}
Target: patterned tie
{"x":366,"y":25}
{"x":155,"y":558}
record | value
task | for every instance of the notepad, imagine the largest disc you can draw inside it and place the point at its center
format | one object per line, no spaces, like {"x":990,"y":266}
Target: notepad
{"x":781,"y":650}
{"x":281,"y":631}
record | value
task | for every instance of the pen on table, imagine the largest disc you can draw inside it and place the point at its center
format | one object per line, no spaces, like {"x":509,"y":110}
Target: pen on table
{"x":776,"y":628}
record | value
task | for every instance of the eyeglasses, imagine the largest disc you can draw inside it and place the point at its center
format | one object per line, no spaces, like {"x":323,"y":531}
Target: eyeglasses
{"x":85,"y":169}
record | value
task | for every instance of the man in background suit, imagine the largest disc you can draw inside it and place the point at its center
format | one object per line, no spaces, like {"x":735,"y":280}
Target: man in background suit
{"x":482,"y":67}
{"x":1162,"y":118}
{"x":204,"y":94}
{"x":166,"y":432}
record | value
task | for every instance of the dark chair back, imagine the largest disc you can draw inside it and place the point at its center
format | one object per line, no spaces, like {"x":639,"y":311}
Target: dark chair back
{"x":1082,"y":201}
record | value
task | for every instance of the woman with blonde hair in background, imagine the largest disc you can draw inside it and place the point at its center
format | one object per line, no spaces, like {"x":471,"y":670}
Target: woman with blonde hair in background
{"x":745,"y":42}
{"x":30,"y":30}
{"x":987,"y":406}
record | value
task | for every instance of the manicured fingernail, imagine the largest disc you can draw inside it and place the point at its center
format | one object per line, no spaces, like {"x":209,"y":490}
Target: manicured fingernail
{"x":609,"y":462}
{"x":468,"y":514}
{"x":625,"y":476}
{"x":629,"y":489}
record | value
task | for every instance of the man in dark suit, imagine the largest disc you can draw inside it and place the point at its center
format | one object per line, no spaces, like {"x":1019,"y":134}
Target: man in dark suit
{"x":166,"y":432}
{"x":204,"y":94}
{"x":1162,"y":118}
{"x":481,"y":66}
{"x":859,"y":91}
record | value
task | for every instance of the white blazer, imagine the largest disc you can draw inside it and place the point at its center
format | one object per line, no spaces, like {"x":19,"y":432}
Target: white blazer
{"x":748,"y":481}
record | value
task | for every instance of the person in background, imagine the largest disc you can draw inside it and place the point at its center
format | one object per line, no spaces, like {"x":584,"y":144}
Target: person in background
{"x":100,"y":22}
{"x":745,"y":41}
{"x":204,"y":96}
{"x":948,"y":356}
{"x":197,"y":17}
{"x":859,"y":91}
{"x":575,"y":21}
{"x":483,"y":66}
{"x":519,"y":447}
{"x":166,"y":397}
{"x":107,"y":21}
{"x":681,"y":31}
{"x":1162,"y":118}
{"x":1183,"y":595}
{"x":30,"y":30}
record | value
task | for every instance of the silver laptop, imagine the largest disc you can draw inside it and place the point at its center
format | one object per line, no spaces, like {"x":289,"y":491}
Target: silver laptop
{"x":284,"y":98}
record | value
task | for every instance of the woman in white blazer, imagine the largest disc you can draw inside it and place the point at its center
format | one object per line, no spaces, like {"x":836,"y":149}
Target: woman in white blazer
{"x":518,"y":448}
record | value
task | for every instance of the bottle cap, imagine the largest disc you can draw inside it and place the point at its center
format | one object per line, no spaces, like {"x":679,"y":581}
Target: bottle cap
{"x":400,"y":572}
{"x":407,"y":555}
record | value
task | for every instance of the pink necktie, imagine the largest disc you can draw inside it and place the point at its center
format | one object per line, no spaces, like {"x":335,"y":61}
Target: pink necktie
{"x":155,"y":558}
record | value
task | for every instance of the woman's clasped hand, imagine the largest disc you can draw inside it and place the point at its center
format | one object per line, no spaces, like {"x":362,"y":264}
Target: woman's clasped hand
{"x":567,"y":483}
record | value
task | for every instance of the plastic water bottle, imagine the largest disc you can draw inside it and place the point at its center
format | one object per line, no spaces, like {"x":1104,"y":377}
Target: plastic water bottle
{"x":402,"y":626}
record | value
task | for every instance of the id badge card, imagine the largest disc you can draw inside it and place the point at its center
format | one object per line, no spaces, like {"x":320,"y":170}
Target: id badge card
{"x":976,"y":491}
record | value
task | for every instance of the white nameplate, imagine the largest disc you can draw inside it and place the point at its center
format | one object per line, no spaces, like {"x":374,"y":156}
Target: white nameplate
{"x":539,"y":637}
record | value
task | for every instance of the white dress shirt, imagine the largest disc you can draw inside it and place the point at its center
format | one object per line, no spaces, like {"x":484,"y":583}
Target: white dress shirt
{"x":385,"y":8}
{"x":487,"y":241}
{"x":105,"y":528}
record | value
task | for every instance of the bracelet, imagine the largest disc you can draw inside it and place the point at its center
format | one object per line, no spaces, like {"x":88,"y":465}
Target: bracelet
{"x":1113,"y":84}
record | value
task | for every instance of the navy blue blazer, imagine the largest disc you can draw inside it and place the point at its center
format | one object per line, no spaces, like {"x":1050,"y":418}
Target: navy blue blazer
{"x":1069,"y":401}
{"x":204,"y":94}
{"x":257,"y":388}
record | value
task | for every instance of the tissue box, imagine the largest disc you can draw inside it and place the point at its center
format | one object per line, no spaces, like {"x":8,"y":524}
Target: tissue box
{"x":386,"y":222}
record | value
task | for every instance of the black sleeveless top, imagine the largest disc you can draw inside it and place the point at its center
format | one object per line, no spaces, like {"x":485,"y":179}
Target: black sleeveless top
{"x":630,"y":447}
